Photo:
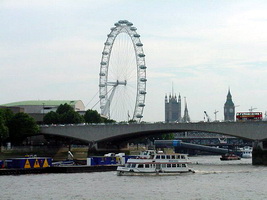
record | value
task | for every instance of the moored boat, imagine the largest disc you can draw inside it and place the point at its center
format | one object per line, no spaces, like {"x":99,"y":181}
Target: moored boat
{"x":230,"y":156}
{"x":246,"y":152}
{"x":151,"y":162}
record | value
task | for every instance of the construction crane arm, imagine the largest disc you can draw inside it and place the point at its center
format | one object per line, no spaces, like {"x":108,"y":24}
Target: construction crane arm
{"x":208,"y":118}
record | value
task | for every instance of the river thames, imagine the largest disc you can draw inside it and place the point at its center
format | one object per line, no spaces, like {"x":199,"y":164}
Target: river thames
{"x":214,"y":179}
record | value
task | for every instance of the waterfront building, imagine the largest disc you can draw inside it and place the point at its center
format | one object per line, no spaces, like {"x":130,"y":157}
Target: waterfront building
{"x":172,"y":108}
{"x":37,"y":109}
{"x":229,"y":108}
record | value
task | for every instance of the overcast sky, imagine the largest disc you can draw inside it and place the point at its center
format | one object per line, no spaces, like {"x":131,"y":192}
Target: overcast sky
{"x":52,"y":50}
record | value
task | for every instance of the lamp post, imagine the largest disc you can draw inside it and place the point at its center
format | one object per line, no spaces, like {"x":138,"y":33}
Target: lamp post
{"x":43,"y":113}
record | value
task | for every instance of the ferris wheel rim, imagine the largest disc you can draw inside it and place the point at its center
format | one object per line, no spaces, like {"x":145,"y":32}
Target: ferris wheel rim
{"x":123,"y":26}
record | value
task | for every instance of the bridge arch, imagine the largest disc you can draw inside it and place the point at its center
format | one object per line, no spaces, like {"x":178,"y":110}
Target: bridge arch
{"x":114,"y":132}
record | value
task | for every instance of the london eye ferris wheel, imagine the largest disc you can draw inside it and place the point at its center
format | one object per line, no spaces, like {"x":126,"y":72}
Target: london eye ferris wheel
{"x":122,"y":77}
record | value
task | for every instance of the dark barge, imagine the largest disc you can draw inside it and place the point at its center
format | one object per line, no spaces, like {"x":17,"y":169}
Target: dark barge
{"x":61,"y":169}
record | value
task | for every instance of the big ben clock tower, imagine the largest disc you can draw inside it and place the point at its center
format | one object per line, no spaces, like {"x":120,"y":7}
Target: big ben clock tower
{"x":229,"y":108}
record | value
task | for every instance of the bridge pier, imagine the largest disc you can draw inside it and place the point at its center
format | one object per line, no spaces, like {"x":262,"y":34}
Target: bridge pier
{"x":259,"y":153}
{"x":101,"y":148}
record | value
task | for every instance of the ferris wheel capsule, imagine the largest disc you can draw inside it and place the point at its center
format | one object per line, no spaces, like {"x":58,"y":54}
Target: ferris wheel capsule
{"x":143,"y":79}
{"x":142,"y":92}
{"x":141,"y":104}
{"x":139,"y":116}
{"x":142,"y":67}
{"x":133,"y":28}
{"x":136,"y":35}
{"x":129,"y":24}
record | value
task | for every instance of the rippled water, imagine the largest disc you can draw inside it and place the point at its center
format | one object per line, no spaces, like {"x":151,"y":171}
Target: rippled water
{"x":214,"y":179}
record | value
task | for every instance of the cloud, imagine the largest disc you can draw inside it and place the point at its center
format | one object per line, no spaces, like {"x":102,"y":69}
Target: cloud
{"x":51,"y":49}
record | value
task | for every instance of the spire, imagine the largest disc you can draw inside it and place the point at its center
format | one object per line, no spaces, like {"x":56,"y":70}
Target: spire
{"x":229,"y":100}
{"x":172,"y":89}
{"x":229,"y":96}
{"x":186,"y":117}
{"x":179,"y":98}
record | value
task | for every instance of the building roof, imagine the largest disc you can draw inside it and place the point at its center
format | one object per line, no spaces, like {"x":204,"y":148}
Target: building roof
{"x":42,"y":102}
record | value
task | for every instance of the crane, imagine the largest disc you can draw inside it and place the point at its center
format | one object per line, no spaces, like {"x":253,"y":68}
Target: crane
{"x":215,"y":113}
{"x":251,"y":109}
{"x":208,"y":118}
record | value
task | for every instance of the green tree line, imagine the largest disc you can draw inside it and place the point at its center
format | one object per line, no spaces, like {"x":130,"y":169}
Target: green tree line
{"x":15,"y":127}
{"x":65,"y":114}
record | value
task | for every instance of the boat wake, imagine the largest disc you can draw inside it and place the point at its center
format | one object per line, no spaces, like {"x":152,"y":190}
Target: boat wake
{"x":226,"y":171}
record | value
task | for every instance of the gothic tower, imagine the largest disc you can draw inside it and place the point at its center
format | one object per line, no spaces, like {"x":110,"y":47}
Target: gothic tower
{"x":186,"y":117}
{"x":172,"y":108}
{"x":179,"y":109}
{"x":229,"y":108}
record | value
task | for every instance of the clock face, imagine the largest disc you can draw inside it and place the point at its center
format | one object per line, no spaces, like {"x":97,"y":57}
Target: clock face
{"x":231,"y":110}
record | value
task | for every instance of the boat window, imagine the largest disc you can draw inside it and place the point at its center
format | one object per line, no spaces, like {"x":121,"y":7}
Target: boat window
{"x":173,"y":156}
{"x":158,"y":157}
{"x":163,"y":165}
{"x":177,"y":156}
{"x":168,"y":157}
{"x":173,"y":165}
{"x":178,"y":165}
{"x":183,"y":165}
{"x":162,"y":156}
{"x":169,"y":165}
{"x":140,"y":166}
{"x":133,"y":165}
{"x":146,"y":165}
{"x":182,"y":157}
{"x":128,"y":165}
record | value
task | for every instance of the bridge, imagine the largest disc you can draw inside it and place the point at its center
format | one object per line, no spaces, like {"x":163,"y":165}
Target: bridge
{"x":256,"y":131}
{"x":116,"y":134}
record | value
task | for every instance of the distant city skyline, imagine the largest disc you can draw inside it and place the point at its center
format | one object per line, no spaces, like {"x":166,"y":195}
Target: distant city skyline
{"x":50,"y":50}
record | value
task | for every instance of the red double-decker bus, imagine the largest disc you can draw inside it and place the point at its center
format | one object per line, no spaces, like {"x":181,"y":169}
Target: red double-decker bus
{"x":249,"y":116}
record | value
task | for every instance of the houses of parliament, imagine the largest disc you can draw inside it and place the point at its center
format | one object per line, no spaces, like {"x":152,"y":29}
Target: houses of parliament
{"x":173,"y":109}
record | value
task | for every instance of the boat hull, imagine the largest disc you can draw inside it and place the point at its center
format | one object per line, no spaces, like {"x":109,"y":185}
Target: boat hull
{"x":128,"y":173}
{"x":246,"y":155}
{"x":232,"y":158}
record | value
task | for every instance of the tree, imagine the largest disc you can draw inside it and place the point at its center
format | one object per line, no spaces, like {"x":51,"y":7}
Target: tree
{"x":132,"y":121}
{"x":64,"y":108}
{"x":5,"y":117}
{"x":3,"y":130}
{"x":51,"y":118}
{"x":107,"y":121}
{"x":92,"y":116}
{"x":71,"y":117}
{"x":168,"y":136}
{"x":21,"y":126}
{"x":7,"y":114}
{"x":65,"y":114}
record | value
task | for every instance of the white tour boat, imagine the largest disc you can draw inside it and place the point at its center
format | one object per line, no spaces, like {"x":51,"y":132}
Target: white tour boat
{"x":151,"y":162}
{"x":246,"y":152}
